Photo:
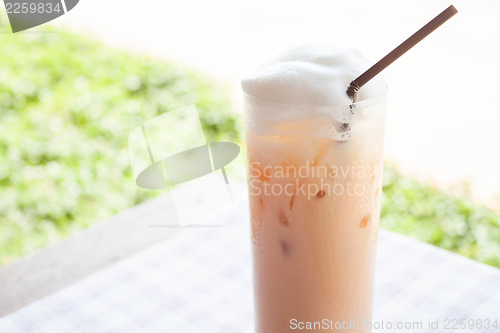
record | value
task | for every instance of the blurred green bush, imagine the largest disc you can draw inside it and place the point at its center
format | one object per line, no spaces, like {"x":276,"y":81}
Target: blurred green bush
{"x":455,"y":223}
{"x":67,"y":105}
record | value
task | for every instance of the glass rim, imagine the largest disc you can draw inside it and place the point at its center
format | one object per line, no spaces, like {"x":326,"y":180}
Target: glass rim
{"x":361,"y":104}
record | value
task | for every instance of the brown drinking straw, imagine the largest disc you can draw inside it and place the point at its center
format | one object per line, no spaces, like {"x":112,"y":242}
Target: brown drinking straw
{"x":399,"y":51}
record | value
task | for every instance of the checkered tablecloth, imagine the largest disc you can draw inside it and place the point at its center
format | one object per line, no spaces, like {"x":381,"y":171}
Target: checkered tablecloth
{"x":199,"y":281}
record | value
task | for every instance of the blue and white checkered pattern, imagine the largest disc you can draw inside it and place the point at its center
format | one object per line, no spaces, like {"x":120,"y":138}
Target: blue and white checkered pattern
{"x":199,"y":281}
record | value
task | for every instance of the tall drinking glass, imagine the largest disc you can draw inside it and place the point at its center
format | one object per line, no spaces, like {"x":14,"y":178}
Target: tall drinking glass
{"x":315,"y":182}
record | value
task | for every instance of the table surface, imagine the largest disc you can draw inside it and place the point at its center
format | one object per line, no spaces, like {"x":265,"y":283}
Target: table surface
{"x":199,"y":280}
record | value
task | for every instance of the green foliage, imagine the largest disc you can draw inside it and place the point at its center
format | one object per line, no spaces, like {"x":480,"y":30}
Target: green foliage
{"x":67,"y":106}
{"x":431,"y":215}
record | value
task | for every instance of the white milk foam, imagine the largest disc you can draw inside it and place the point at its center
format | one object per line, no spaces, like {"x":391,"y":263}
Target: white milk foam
{"x":312,"y":75}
